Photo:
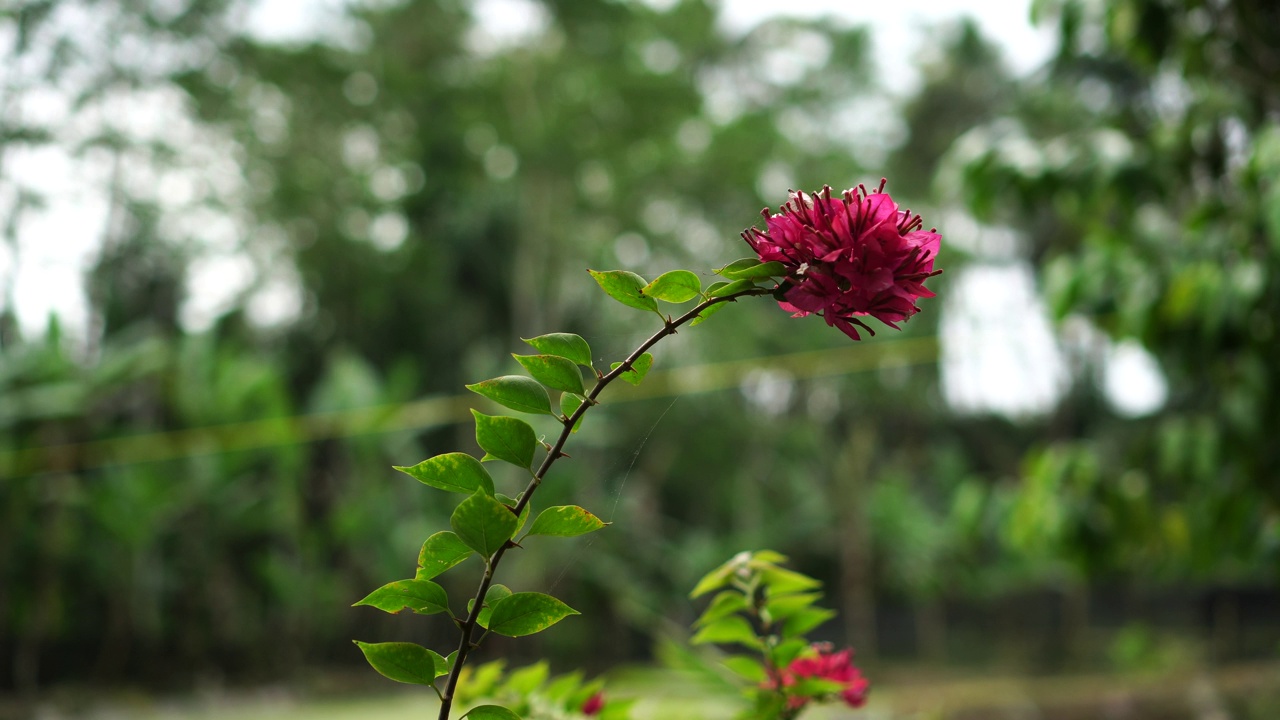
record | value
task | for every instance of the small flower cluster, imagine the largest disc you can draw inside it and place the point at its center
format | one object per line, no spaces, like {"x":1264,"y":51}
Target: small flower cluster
{"x":823,"y":664}
{"x":849,"y":256}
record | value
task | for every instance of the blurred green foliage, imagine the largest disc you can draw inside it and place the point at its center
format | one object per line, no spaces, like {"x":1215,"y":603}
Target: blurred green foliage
{"x":177,"y":504}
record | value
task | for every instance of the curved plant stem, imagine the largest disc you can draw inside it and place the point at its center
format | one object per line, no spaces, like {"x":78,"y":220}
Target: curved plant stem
{"x":468,"y":625}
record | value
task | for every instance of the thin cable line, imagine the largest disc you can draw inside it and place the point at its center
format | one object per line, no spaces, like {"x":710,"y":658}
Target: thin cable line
{"x":436,"y":411}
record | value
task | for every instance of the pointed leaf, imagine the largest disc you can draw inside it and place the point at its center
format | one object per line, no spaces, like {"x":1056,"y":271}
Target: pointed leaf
{"x":421,"y":596}
{"x":752,"y":270}
{"x":439,"y":553}
{"x":562,"y":687}
{"x":490,"y":712}
{"x":527,"y":679}
{"x":565,"y":345}
{"x":496,"y":592}
{"x":505,"y":438}
{"x":511,"y":503}
{"x":733,"y":629}
{"x":526,"y":613}
{"x":443,"y":664}
{"x":725,"y":604}
{"x":625,"y":287}
{"x":780,"y":580}
{"x":638,"y":370}
{"x":516,"y":392}
{"x":454,"y":472}
{"x":569,"y":404}
{"x":401,"y":661}
{"x":676,"y":286}
{"x":734,"y":287}
{"x":708,"y":312}
{"x":805,"y":620}
{"x":747,"y":667}
{"x":483,"y":523}
{"x":553,"y":371}
{"x":565,"y":521}
{"x":784,"y":606}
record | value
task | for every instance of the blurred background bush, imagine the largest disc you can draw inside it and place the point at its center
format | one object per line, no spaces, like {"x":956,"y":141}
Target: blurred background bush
{"x":252,"y":252}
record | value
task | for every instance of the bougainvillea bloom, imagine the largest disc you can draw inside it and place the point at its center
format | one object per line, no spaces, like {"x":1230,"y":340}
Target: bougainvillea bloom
{"x":849,"y":256}
{"x":834,"y":666}
{"x":593,"y":704}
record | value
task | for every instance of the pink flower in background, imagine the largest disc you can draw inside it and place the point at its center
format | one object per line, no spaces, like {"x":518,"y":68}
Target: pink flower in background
{"x":826,"y":665}
{"x":849,"y":256}
{"x":837,"y":667}
{"x":594,"y":704}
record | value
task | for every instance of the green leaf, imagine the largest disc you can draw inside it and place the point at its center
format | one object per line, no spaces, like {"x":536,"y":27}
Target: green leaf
{"x":565,"y":521}
{"x":483,"y":523}
{"x":511,"y":503}
{"x":421,"y":596}
{"x":401,"y":661}
{"x":747,"y":667}
{"x":734,"y":287}
{"x":638,"y":370}
{"x":733,"y":629}
{"x":439,"y":553}
{"x":749,"y":269}
{"x":505,"y":438}
{"x":625,"y":287}
{"x":443,"y":664}
{"x":562,"y":687}
{"x":490,"y":712}
{"x":565,"y":345}
{"x":708,"y":312}
{"x":805,"y":620}
{"x":780,"y":580}
{"x":676,"y":286}
{"x":482,"y":681}
{"x":569,"y":404}
{"x":553,"y":371}
{"x":780,"y":608}
{"x":516,"y":392}
{"x":789,"y":650}
{"x":526,"y":613}
{"x":721,"y":576}
{"x":495,"y":593}
{"x":527,"y":679}
{"x":454,"y":472}
{"x":725,"y":604}
{"x":737,"y":265}
{"x":814,"y":687}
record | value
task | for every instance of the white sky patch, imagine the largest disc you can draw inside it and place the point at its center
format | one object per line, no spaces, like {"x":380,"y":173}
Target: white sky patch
{"x":897,"y":31}
{"x":1132,"y":380}
{"x":999,"y":353}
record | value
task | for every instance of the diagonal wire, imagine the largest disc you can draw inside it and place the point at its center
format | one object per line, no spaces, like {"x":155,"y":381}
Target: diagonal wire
{"x":436,"y":411}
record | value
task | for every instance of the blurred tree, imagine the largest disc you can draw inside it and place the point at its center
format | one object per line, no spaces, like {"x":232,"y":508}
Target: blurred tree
{"x":1142,"y":166}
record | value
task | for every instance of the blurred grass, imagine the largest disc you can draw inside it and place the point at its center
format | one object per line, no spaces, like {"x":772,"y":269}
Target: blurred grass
{"x":1240,"y":692}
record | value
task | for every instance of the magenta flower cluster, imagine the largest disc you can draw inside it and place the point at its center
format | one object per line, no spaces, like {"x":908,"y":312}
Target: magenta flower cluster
{"x":847,"y":257}
{"x":823,"y":664}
